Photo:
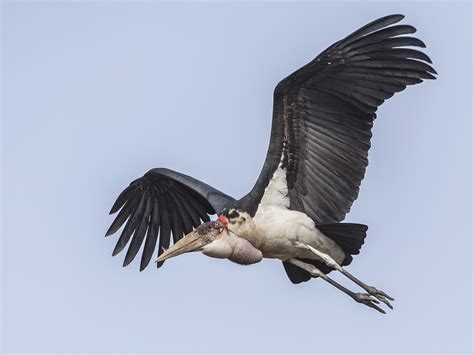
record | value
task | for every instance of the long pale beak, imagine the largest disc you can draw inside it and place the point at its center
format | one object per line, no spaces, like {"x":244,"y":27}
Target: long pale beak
{"x":194,"y":241}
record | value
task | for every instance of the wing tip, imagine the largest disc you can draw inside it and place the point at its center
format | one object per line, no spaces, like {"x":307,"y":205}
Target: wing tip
{"x":428,"y":76}
{"x":118,"y":248}
{"x":143,"y":263}
{"x":126,"y":262}
{"x":397,"y":17}
{"x":411,"y":28}
{"x":387,"y":20}
{"x":421,"y":44}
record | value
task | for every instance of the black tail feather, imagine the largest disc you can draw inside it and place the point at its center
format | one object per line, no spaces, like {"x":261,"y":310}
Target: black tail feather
{"x":349,"y":236}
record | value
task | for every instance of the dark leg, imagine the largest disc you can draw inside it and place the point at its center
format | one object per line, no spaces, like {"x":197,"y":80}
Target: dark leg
{"x":380,"y":295}
{"x":363,"y":298}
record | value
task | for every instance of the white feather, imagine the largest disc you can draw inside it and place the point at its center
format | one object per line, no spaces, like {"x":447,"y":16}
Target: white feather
{"x":276,"y":193}
{"x":279,"y":229}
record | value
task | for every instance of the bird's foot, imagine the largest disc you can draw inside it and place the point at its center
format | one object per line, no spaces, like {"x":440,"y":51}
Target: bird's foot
{"x":380,"y":295}
{"x":367,"y":299}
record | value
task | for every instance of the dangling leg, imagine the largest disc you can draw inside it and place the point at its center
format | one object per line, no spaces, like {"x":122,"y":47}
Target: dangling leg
{"x":380,"y":295}
{"x":358,"y":297}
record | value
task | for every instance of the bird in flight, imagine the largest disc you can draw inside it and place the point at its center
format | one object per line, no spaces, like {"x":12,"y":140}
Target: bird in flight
{"x":323,"y":114}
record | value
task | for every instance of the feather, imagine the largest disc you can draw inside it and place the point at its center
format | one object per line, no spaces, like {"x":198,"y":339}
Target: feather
{"x":165,"y":233}
{"x":151,"y":237}
{"x":130,"y":227}
{"x":124,"y":213}
{"x":122,"y":198}
{"x":370,"y":27}
{"x":381,"y":35}
{"x":393,"y":53}
{"x":139,"y":234}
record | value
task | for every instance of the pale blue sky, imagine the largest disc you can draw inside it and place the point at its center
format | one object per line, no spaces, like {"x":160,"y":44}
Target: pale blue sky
{"x":96,"y":93}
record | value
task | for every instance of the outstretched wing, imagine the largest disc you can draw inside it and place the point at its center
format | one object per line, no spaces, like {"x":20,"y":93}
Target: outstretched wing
{"x":324,"y":112}
{"x":161,"y":202}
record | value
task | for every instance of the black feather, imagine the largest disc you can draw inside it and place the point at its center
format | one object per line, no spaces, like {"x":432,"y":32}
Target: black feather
{"x":132,"y":224}
{"x":185,"y":218}
{"x":124,"y":213}
{"x":386,"y":44}
{"x":151,"y":237}
{"x":165,"y":233}
{"x":370,"y":27}
{"x":381,"y":35}
{"x":139,"y":234}
{"x":122,"y":198}
{"x":394,"y":53}
{"x":187,"y":202}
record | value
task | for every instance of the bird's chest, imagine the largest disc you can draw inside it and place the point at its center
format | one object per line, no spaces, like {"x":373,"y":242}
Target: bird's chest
{"x":277,"y":230}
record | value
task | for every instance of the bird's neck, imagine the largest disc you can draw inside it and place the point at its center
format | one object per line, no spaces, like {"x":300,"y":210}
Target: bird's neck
{"x":252,"y":236}
{"x":248,"y":231}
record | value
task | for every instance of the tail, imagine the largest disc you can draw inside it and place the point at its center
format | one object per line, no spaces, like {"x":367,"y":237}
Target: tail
{"x":349,"y":236}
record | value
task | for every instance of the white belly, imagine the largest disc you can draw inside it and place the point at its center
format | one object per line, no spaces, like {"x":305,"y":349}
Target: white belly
{"x":279,"y":229}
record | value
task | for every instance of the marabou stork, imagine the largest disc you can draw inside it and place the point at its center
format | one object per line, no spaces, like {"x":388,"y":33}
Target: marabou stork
{"x":322,"y":119}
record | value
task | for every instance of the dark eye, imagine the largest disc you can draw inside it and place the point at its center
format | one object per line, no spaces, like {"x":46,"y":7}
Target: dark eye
{"x":233,"y":214}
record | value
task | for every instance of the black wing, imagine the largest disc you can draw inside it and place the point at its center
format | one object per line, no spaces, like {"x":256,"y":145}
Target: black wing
{"x":324,"y":112}
{"x":161,"y":202}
